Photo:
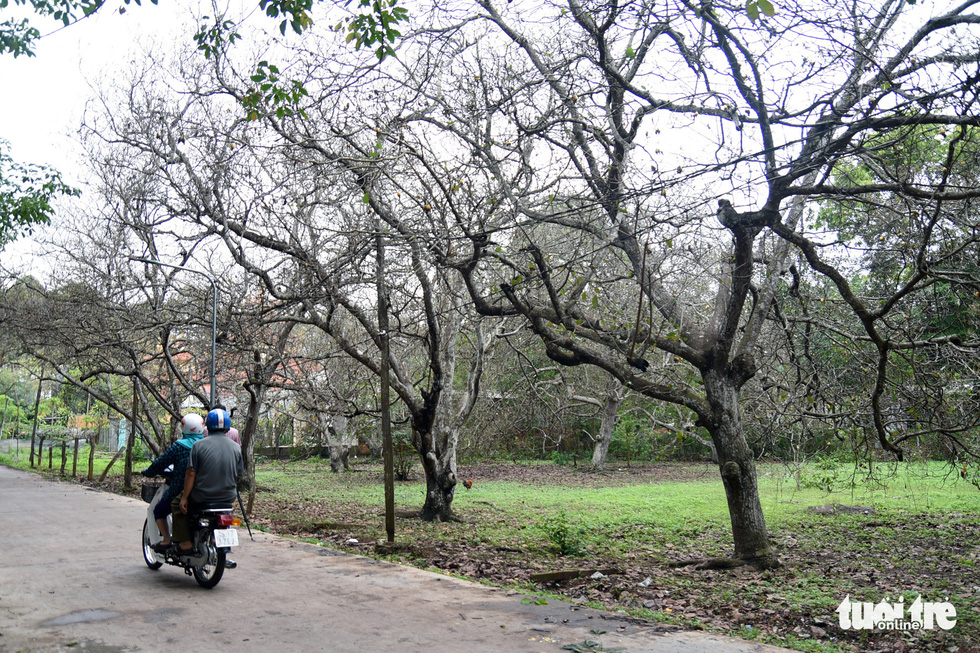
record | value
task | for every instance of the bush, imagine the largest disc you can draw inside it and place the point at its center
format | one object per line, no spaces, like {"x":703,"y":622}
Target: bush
{"x":567,"y":539}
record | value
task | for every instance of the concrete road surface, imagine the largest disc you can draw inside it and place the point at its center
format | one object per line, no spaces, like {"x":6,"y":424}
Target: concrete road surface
{"x":72,"y":578}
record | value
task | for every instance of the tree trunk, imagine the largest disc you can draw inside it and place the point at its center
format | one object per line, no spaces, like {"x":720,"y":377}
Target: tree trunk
{"x":256,"y":394}
{"x":440,"y":489}
{"x":37,"y":407}
{"x":439,"y":465}
{"x":610,"y":414}
{"x":3,"y":422}
{"x":737,"y":465}
{"x":335,"y":426}
{"x":131,"y":439}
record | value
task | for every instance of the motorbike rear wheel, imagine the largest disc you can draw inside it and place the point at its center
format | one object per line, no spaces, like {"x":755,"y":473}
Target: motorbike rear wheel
{"x":208,"y":574}
{"x":150,"y":557}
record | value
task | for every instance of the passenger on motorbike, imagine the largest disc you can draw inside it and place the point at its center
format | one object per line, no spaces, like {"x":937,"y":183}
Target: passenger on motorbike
{"x":213,"y":470}
{"x":178,"y":454}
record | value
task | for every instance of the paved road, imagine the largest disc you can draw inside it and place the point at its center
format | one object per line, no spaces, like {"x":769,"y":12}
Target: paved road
{"x":72,"y":577}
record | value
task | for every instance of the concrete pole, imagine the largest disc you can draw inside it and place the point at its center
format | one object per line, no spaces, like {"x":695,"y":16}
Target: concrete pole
{"x":387,"y":447}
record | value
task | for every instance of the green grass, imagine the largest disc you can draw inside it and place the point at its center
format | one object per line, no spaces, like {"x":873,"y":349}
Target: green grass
{"x":921,"y":538}
{"x":99,"y":463}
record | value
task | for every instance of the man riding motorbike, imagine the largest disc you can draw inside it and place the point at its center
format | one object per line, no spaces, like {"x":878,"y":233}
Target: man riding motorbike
{"x":178,"y":454}
{"x":213,"y":470}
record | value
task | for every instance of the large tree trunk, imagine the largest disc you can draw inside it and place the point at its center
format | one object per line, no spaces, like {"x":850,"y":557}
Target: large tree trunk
{"x":335,"y":427}
{"x":439,"y":465}
{"x":610,"y":415}
{"x":737,"y":465}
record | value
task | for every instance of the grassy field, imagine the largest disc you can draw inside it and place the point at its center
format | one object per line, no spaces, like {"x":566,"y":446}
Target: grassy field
{"x":917,"y":533}
{"x":919,"y":536}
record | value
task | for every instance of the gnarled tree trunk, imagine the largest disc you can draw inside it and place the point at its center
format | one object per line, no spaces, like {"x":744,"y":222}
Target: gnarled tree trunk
{"x":437,"y":450}
{"x":737,"y":465}
{"x":335,"y":426}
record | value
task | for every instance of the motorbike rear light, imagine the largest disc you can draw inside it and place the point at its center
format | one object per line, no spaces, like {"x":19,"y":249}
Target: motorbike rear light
{"x":227,"y":520}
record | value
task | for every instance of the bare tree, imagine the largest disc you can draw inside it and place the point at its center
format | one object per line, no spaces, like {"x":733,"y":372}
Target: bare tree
{"x":628,"y":134}
{"x":289,"y":213}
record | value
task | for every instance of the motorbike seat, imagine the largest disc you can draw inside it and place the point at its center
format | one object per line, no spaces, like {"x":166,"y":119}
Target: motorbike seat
{"x":215,"y":507}
{"x":205,"y":508}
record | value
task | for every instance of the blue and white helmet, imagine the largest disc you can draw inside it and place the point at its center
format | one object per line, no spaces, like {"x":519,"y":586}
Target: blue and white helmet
{"x":218,"y":421}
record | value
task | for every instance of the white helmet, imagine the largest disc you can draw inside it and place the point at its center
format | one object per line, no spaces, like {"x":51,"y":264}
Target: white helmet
{"x":192,"y":424}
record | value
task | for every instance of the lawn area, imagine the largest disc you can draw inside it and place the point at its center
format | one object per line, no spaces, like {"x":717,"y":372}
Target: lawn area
{"x":919,"y":537}
{"x":916,"y":532}
{"x":14,"y":453}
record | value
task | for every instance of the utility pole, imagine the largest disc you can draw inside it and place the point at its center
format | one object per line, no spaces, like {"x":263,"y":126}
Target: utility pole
{"x":388,"y":449}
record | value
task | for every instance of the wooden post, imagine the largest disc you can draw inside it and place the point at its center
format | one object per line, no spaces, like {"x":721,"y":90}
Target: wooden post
{"x":50,"y":456}
{"x":17,"y":432}
{"x":74,"y":460}
{"x":64,"y":455}
{"x":94,"y":440}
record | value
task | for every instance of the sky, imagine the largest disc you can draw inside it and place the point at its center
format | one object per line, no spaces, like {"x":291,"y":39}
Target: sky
{"x":43,"y":98}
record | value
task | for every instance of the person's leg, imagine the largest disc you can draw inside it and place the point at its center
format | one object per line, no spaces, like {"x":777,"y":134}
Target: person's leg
{"x":160,"y":512}
{"x":182,"y":528}
{"x":164,"y":531}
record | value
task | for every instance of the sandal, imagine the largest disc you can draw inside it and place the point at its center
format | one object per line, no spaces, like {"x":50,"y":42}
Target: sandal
{"x":160,"y":547}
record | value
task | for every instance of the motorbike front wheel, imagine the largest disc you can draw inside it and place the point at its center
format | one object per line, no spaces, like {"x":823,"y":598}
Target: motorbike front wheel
{"x":208,"y":574}
{"x":150,"y":557}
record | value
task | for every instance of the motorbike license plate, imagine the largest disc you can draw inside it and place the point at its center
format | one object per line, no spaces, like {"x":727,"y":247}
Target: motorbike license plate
{"x":226,"y":537}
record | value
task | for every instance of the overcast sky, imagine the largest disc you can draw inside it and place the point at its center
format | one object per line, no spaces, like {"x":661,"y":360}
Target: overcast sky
{"x":44,"y":95}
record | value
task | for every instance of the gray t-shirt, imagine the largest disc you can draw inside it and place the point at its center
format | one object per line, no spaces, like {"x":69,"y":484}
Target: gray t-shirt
{"x":217,"y":464}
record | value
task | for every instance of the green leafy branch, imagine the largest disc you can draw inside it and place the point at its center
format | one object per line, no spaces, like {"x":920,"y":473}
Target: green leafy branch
{"x":19,"y":37}
{"x":211,"y":38}
{"x":271,"y":92}
{"x":295,"y":13}
{"x":756,"y":7}
{"x":26,"y":193}
{"x":374,"y":27}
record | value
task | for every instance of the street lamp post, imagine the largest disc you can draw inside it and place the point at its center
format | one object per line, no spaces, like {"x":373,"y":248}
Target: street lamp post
{"x":214,"y":311}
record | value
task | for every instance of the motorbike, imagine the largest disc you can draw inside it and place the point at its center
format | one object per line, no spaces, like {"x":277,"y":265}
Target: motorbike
{"x":212,"y":534}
